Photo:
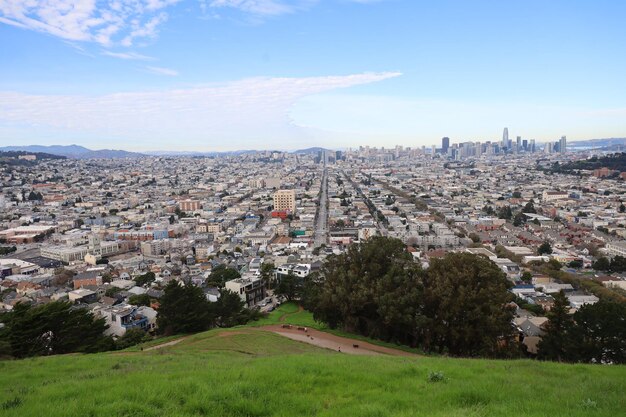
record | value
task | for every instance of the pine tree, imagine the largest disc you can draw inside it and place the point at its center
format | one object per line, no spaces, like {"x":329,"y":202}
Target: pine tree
{"x":183,"y":309}
{"x":556,"y":343}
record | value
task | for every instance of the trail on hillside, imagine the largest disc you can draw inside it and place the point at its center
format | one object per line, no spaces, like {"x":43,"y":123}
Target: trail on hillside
{"x":336,"y":343}
{"x":162,"y":345}
{"x":284,"y":316}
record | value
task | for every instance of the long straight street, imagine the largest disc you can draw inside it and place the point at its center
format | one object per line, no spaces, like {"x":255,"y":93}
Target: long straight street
{"x":321,"y":227}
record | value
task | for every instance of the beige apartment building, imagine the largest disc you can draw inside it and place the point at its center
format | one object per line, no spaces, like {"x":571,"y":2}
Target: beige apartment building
{"x":189,"y":205}
{"x":285,"y":200}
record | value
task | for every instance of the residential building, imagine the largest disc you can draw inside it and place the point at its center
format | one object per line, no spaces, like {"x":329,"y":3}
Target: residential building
{"x":285,"y":200}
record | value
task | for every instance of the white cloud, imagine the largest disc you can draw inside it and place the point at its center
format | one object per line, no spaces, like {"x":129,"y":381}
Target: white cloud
{"x":128,"y":56}
{"x":106,"y":22}
{"x":263,"y":7}
{"x":247,"y":113}
{"x":163,"y":71}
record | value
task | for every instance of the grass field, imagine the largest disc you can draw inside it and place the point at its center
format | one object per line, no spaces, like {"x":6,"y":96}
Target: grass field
{"x":250,"y":372}
{"x":290,"y":313}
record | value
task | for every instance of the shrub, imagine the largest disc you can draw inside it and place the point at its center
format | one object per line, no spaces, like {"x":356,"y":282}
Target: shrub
{"x":436,"y":376}
{"x":589,"y":404}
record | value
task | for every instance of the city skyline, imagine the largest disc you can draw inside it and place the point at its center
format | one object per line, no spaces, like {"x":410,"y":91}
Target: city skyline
{"x":230,"y":75}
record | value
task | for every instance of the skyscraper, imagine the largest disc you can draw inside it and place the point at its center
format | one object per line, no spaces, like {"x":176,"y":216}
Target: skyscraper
{"x":563,"y":144}
{"x":445,"y":144}
{"x":505,"y":137}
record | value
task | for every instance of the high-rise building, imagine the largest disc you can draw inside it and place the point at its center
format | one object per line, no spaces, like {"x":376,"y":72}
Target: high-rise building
{"x":445,"y":144}
{"x":532,"y":146}
{"x":525,"y":144}
{"x":563,"y":144}
{"x":285,"y":200}
{"x":519,"y":144}
{"x":505,"y":137}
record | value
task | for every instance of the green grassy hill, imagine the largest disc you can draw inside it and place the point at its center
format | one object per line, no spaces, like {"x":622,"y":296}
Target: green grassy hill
{"x":251,"y":372}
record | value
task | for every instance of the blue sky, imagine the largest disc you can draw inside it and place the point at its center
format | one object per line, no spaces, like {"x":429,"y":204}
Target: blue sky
{"x":260,"y":74}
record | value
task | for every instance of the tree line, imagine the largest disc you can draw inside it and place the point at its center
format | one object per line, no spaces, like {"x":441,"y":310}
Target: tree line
{"x":459,"y":306}
{"x":60,"y":327}
{"x":184,"y":309}
{"x":596,"y":333}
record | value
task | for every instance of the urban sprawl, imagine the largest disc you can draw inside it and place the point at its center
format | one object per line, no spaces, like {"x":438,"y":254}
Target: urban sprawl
{"x":85,"y":230}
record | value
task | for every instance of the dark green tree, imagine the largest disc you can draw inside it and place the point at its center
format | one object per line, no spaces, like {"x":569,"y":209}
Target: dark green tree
{"x":466,"y":303}
{"x":267,"y":274}
{"x":602,"y":264}
{"x":289,"y":286}
{"x":53,"y":328}
{"x":556,"y":343}
{"x":527,"y":277}
{"x":600,"y":333}
{"x":220,"y":274}
{"x":372,"y":289}
{"x":618,"y":264}
{"x":505,"y":213}
{"x":183,"y":309}
{"x":529,"y":207}
{"x":576,"y":263}
{"x":132,"y":337}
{"x":519,"y":219}
{"x":544,"y":249}
{"x":139,"y":300}
{"x":112,"y":291}
{"x":230,"y":310}
{"x":35,"y":196}
{"x":144,"y":279}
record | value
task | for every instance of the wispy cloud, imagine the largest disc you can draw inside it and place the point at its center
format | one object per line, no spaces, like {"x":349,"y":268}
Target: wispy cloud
{"x":104,"y":22}
{"x":262,"y":7}
{"x":128,"y":56}
{"x":240,"y":113}
{"x":162,"y":71}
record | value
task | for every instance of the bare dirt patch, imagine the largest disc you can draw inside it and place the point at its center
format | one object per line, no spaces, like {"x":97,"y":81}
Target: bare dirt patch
{"x":336,"y":343}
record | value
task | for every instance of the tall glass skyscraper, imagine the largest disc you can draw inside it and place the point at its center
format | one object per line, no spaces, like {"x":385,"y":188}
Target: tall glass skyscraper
{"x":445,"y":144}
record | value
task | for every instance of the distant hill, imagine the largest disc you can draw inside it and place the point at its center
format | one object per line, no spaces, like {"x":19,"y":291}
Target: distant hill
{"x":74,"y":151}
{"x":80,"y":152}
{"x":39,"y":155}
{"x":313,"y":150}
{"x":12,"y":158}
{"x":598,"y":143}
{"x":615,"y":162}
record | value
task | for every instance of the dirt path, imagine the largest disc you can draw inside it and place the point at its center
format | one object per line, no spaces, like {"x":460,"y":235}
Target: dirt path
{"x":162,"y":345}
{"x":336,"y":343}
